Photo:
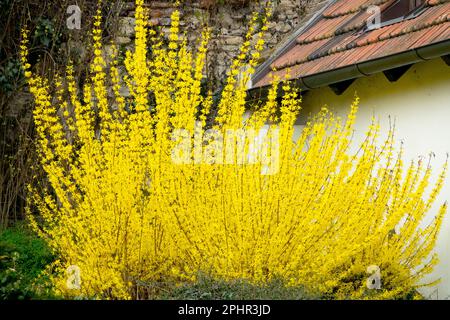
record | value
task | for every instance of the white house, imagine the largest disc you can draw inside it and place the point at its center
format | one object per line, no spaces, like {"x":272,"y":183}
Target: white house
{"x":395,"y":54}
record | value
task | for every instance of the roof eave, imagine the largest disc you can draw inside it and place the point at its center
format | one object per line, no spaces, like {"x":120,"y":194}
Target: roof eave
{"x":365,"y":68}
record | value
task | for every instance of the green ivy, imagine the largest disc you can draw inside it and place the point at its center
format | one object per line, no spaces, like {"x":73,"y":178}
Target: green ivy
{"x":44,"y":33}
{"x":11,"y":74}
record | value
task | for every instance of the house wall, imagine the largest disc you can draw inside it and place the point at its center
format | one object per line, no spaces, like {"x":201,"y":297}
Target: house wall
{"x":420,"y":103}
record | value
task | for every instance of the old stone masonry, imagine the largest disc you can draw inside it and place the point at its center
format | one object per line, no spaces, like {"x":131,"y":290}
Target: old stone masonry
{"x":228,"y":21}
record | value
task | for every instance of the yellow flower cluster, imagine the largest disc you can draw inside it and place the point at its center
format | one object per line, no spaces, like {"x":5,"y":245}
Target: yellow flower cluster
{"x":124,"y":212}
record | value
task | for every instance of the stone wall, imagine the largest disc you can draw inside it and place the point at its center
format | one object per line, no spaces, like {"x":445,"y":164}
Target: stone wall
{"x":228,"y":22}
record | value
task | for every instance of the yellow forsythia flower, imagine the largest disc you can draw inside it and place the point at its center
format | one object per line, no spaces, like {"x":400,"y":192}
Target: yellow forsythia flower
{"x":122,"y":210}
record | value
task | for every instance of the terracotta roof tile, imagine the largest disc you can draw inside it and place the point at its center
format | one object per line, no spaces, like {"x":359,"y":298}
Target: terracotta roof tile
{"x":339,"y":37}
{"x":324,"y":29}
{"x":295,"y":55}
{"x":342,"y":8}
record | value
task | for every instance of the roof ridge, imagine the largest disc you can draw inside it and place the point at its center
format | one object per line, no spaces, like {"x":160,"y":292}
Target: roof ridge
{"x":442,"y":19}
{"x":430,"y":3}
{"x":357,"y":9}
{"x":433,"y":3}
{"x":338,"y":32}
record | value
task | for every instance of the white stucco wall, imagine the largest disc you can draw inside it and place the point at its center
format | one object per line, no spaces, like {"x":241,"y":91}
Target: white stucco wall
{"x":420,"y":103}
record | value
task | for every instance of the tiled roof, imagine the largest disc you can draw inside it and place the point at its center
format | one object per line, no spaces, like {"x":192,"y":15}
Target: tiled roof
{"x":338,"y":38}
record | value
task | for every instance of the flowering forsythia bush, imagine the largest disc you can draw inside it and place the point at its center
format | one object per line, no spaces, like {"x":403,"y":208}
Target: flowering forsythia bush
{"x":124,"y":209}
